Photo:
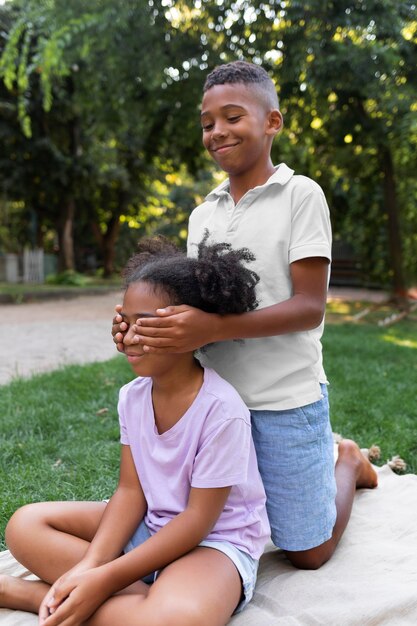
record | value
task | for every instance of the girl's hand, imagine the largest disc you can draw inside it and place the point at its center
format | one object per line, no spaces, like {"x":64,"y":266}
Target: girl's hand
{"x":118,"y":329}
{"x":49,"y":599}
{"x":73,"y":598}
{"x":176,"y":329}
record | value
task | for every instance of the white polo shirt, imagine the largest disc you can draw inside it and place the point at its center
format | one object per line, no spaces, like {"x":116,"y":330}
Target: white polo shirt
{"x":282,"y":221}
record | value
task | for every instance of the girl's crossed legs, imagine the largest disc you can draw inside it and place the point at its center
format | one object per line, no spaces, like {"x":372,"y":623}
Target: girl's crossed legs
{"x":201,"y":588}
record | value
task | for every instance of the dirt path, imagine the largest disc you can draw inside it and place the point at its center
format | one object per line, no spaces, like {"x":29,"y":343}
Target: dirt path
{"x":42,"y":336}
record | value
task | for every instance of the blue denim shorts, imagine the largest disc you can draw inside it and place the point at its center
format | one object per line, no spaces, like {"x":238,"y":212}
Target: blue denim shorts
{"x":295,"y":454}
{"x":245,"y":564}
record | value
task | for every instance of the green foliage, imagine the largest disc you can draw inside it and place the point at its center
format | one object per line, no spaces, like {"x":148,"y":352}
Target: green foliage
{"x":346,"y":75}
{"x":84,"y":80}
{"x":69,"y":277}
{"x":104,"y":97}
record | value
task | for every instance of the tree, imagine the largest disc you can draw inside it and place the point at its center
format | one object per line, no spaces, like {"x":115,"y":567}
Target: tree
{"x":346,"y":74}
{"x":85,"y":82}
{"x":107,"y":95}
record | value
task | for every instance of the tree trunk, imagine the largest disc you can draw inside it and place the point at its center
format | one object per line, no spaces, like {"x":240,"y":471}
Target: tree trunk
{"x":394,"y":228}
{"x":66,"y":232}
{"x":65,"y":236}
{"x":107,"y":240}
{"x":109,"y":243}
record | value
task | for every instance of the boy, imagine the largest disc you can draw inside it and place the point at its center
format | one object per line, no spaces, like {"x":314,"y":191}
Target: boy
{"x":284,"y":220}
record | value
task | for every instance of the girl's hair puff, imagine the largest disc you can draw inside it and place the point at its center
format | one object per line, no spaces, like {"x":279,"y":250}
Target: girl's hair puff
{"x":216,"y":281}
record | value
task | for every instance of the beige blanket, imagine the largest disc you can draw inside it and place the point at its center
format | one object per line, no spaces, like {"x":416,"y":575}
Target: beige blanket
{"x":370,"y":581}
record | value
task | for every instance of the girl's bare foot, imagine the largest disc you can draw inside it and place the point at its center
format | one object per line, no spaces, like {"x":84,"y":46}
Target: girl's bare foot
{"x":6,"y":591}
{"x":23,"y":595}
{"x":366,"y":476}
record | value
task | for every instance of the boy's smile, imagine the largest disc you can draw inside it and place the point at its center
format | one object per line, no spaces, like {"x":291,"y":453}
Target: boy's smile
{"x":237,"y":128}
{"x":225,"y":148}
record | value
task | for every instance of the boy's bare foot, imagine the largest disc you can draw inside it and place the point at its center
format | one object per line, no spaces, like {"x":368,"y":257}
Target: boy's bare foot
{"x":366,"y":476}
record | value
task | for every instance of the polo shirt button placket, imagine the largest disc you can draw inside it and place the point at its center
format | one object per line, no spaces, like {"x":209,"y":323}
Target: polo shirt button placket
{"x":230,"y":211}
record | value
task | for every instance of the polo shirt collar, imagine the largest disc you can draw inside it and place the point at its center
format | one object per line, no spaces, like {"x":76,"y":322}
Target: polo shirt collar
{"x":281,"y":176}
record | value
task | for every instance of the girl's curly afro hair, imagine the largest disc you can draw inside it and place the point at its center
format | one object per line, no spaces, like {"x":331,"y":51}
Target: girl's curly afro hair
{"x":217,"y":281}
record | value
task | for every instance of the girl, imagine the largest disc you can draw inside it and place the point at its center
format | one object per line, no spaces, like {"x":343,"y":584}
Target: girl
{"x":188,"y":514}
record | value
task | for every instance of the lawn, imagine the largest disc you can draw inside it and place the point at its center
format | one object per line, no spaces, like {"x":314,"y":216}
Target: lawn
{"x":59,"y":431}
{"x":18,"y":293}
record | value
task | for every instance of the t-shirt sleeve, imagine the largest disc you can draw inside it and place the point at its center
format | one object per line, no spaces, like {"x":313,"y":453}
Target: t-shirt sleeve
{"x":222,"y":459}
{"x":311,"y":234}
{"x":124,"y":439}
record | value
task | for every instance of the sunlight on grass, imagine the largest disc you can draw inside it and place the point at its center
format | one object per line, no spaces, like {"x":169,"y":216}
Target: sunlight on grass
{"x":404,"y":343}
{"x":340,"y":307}
{"x":360,"y":312}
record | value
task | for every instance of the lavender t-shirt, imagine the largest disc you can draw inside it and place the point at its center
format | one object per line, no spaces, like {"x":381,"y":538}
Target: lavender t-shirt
{"x":210,"y":446}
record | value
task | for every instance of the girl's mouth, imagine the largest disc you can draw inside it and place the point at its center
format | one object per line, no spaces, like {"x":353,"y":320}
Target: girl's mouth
{"x":134,"y":358}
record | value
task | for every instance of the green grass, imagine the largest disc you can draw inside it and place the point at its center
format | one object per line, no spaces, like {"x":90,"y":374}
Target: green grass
{"x":18,"y":293}
{"x":373,"y":373}
{"x":59,"y":436}
{"x":59,"y":431}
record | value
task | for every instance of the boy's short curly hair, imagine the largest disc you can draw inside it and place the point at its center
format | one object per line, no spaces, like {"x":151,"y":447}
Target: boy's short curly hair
{"x":216,"y":281}
{"x":249,"y":74}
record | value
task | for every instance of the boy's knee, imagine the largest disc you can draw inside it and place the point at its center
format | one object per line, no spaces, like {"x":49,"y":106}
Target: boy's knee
{"x":310,"y":559}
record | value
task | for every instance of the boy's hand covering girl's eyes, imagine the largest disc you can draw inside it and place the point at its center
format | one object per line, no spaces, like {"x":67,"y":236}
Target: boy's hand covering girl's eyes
{"x":73,"y":599}
{"x":118,"y":329}
{"x":177,"y":329}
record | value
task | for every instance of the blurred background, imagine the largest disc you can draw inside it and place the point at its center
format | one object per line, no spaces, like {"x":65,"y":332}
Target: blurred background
{"x":101,"y":140}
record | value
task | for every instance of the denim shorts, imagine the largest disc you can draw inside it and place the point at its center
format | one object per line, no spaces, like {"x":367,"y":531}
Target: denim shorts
{"x":245,"y":564}
{"x":295,"y":454}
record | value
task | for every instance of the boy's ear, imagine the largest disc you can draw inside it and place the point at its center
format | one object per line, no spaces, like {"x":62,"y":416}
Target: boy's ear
{"x":275,"y":122}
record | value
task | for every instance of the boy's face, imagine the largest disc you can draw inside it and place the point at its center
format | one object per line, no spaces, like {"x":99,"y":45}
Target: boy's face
{"x":237,"y":127}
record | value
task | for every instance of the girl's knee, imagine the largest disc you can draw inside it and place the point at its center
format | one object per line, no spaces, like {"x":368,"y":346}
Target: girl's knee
{"x":21,"y":524}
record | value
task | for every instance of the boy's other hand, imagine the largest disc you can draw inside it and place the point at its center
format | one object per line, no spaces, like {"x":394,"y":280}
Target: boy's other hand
{"x":118,"y":329}
{"x":176,"y":329}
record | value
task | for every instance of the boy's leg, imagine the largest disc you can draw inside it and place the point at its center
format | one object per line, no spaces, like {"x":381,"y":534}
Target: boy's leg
{"x":308,"y":500}
{"x":203,"y":588}
{"x":353,"y":471}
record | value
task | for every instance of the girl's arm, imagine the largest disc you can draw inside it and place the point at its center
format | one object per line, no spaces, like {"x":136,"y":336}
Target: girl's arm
{"x":179,"y":536}
{"x":184,"y":328}
{"x":122,"y":516}
{"x":183,"y":533}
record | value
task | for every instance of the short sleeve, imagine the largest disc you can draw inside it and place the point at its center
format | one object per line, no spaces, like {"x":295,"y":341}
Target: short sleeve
{"x":222,"y":459}
{"x":311,"y":234}
{"x":124,"y":439}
